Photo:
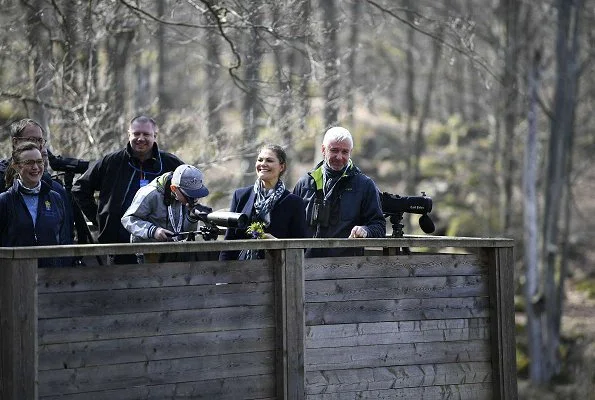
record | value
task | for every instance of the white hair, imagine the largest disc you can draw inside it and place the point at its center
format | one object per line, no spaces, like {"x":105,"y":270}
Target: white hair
{"x":337,"y":134}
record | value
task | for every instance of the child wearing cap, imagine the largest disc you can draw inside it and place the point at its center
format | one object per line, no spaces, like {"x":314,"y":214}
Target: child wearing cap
{"x":159,"y":211}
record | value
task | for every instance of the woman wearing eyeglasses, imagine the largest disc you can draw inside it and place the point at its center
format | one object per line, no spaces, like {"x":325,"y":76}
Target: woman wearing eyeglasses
{"x":31,"y":213}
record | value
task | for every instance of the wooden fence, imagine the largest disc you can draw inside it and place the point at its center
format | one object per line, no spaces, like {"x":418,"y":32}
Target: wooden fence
{"x":434,"y":324}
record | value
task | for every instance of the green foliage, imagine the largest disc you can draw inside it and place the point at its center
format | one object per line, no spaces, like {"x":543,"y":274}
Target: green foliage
{"x":587,"y":286}
{"x":256,"y":230}
{"x":519,"y":303}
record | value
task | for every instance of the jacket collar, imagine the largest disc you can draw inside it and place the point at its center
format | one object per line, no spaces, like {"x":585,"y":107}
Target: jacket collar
{"x":131,"y":157}
{"x":318,"y":175}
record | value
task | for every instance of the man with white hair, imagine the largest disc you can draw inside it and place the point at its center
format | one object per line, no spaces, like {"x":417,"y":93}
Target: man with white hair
{"x":340,"y":200}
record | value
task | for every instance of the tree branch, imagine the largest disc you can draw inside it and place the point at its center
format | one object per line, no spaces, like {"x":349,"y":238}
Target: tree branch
{"x":469,"y":53}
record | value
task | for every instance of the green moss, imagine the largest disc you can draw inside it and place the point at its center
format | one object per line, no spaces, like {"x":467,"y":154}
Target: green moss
{"x":519,"y":303}
{"x":522,"y":362}
{"x":587,"y":286}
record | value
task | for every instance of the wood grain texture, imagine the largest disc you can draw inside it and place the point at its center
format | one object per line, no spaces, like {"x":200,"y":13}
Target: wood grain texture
{"x":236,"y":388}
{"x":52,"y":280}
{"x":120,"y":351}
{"x":476,"y":391}
{"x":501,"y":266}
{"x":397,"y":354}
{"x":396,"y":310}
{"x":155,"y":372}
{"x":396,"y":377}
{"x":65,"y":330}
{"x":128,"y":301}
{"x":394,"y":266}
{"x":365,"y":334}
{"x":18,"y":329}
{"x":397,"y":288}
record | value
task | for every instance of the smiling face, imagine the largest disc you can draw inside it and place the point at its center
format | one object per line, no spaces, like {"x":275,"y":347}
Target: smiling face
{"x":269,"y":168}
{"x":141,"y":136}
{"x":337,"y":153}
{"x":30,"y":167}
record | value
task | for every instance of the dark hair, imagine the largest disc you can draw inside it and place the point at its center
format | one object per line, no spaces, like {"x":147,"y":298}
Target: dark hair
{"x":11,"y":171}
{"x":143,"y":119}
{"x":279,"y":152}
{"x":17,"y":128}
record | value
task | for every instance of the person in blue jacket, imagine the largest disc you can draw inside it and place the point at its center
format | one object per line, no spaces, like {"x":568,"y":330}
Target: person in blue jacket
{"x":341,"y":201}
{"x":268,"y":202}
{"x":31,"y":213}
{"x":29,"y":130}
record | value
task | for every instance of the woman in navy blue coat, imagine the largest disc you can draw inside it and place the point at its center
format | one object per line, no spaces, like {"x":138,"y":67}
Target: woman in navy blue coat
{"x":267,"y":201}
{"x":31,"y":213}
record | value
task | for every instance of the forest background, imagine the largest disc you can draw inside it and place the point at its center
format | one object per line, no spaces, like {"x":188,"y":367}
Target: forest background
{"x":485,"y":105}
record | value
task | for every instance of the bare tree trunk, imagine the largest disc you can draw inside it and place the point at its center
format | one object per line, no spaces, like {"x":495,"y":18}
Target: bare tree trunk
{"x":38,"y":36}
{"x":410,"y":85}
{"x":331,"y":62}
{"x":356,"y":11}
{"x":213,"y":65}
{"x":510,"y":10}
{"x":283,"y":74}
{"x":534,"y":303}
{"x":252,"y":109}
{"x":142,"y":98}
{"x":562,"y":130}
{"x":419,"y":143}
{"x":119,"y":54}
{"x":299,"y":60}
{"x":164,"y":99}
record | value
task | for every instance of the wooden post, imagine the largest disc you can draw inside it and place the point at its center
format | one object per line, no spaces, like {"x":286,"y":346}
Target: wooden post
{"x":501,"y":288}
{"x":289,"y":294}
{"x":18,"y":329}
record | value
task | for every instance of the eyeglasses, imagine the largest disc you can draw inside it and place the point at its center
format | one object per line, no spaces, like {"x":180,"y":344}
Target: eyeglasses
{"x":38,"y":140}
{"x":30,"y":163}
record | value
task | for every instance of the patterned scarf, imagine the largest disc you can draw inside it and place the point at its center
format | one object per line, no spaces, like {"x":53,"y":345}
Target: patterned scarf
{"x":265,"y":200}
{"x":264,"y":203}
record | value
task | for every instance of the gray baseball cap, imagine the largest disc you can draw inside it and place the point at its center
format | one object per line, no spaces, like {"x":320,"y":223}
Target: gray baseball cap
{"x":190,"y":181}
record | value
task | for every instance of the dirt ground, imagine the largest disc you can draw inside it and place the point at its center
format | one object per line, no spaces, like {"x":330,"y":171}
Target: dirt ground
{"x":578,"y":331}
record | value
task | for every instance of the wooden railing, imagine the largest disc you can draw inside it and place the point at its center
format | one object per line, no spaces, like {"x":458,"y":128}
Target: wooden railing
{"x":437,"y":323}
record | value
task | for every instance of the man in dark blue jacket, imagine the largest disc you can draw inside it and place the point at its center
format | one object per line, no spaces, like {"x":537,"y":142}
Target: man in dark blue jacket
{"x":340,"y":200}
{"x":117,"y":177}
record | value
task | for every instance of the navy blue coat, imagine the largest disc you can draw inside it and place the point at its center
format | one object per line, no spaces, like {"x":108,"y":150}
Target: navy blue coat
{"x":16,"y":224}
{"x":288,"y":218}
{"x":47,"y":178}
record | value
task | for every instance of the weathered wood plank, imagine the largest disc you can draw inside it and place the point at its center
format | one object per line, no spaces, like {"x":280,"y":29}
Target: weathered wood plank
{"x":397,"y":288}
{"x":119,"y":351}
{"x":348,"y":380}
{"x":64,"y":330}
{"x":396,"y":310}
{"x":476,"y":391}
{"x":396,"y":354}
{"x":237,"y":388}
{"x":152,"y":372}
{"x":295,"y":323}
{"x":349,"y":335}
{"x":394,"y":266}
{"x":501,"y":266}
{"x":126,"y":301}
{"x":424,"y":241}
{"x":18,"y":329}
{"x":151,"y":275}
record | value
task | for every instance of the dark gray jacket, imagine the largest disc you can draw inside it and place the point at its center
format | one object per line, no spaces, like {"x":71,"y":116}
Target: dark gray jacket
{"x":353,"y":201}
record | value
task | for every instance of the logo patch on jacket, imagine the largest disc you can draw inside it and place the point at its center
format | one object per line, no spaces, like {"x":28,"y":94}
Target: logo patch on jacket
{"x":48,"y":205}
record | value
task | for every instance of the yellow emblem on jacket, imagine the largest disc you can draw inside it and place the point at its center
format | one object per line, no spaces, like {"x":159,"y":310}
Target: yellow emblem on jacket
{"x":48,"y":205}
